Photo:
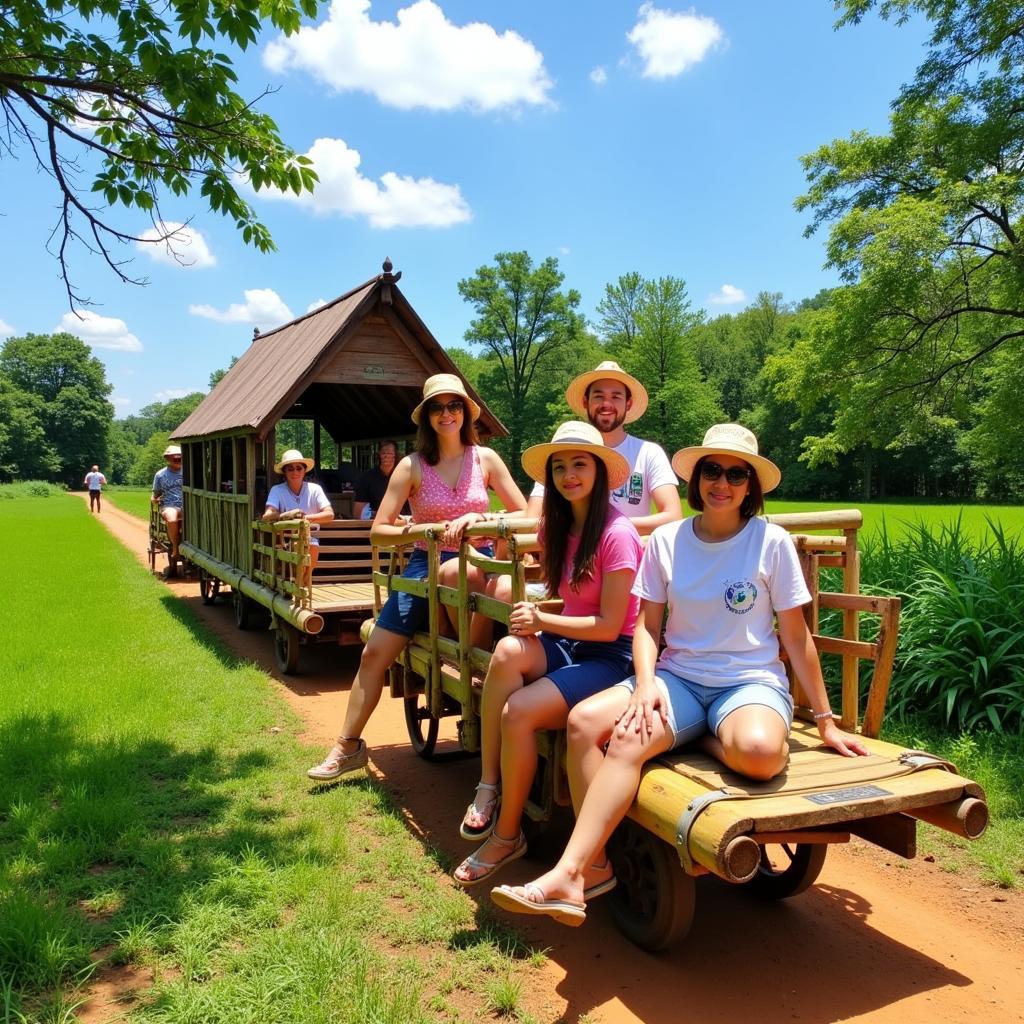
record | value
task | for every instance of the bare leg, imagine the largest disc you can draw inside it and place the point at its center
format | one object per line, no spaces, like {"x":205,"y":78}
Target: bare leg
{"x":752,"y":740}
{"x":481,"y":627}
{"x":172,"y":516}
{"x":307,"y":572}
{"x":589,"y":728}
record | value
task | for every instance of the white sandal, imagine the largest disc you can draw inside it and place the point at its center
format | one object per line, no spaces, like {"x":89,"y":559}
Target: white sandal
{"x":517,"y":847}
{"x":474,"y":835}
{"x":338,"y":763}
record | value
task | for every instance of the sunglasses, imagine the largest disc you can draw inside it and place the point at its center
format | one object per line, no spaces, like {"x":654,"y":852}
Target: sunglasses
{"x":452,"y":407}
{"x":295,"y":469}
{"x":734,"y":475}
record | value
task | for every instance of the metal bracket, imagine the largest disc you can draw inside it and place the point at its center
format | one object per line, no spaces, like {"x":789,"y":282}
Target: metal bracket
{"x":689,"y":816}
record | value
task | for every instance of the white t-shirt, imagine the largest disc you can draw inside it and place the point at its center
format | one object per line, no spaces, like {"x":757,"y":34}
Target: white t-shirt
{"x":95,"y":481}
{"x":721,"y":600}
{"x":311,"y":498}
{"x":649,"y":469}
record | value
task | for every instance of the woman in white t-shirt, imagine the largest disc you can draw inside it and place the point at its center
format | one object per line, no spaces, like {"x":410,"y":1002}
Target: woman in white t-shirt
{"x":725,"y":576}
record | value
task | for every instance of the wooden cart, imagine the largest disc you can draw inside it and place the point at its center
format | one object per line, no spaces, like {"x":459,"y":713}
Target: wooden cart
{"x":159,"y":543}
{"x":691,"y":817}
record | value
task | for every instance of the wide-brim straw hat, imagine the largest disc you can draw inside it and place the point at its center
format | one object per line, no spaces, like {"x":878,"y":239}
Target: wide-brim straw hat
{"x":290,"y":457}
{"x":576,"y":436}
{"x":172,"y":449}
{"x":729,"y":439}
{"x":444,"y":384}
{"x":576,"y":392}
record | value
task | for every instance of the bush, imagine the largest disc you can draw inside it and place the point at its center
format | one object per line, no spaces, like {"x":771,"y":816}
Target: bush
{"x":29,"y":489}
{"x":960,"y":661}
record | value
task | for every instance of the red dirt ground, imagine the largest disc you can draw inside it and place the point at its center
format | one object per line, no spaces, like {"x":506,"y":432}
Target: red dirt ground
{"x":876,"y":939}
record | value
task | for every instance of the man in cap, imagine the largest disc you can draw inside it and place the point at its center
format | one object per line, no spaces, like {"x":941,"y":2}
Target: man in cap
{"x":167,"y":493}
{"x":609,"y":397}
{"x":94,"y":480}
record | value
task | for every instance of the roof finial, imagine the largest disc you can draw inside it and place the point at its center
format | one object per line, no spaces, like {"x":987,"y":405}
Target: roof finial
{"x":255,"y":333}
{"x":387,"y":279}
{"x":387,"y":265}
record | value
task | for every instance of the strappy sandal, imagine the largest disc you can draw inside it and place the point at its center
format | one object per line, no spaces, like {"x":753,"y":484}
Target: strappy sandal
{"x":517,"y":848}
{"x":474,"y":835}
{"x":338,"y":763}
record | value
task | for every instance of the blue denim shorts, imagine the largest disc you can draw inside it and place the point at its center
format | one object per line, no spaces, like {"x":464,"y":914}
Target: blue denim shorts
{"x":694,"y":709}
{"x":406,"y":614}
{"x":581,"y":668}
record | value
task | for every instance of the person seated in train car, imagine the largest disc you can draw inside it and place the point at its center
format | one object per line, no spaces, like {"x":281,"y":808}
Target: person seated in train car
{"x":550,"y":661}
{"x":373,"y":484}
{"x":445,"y":480}
{"x":299,"y":498}
{"x":726,"y":576}
{"x":169,"y":497}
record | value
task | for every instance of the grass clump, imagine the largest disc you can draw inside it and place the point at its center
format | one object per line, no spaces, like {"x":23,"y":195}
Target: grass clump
{"x":29,"y":489}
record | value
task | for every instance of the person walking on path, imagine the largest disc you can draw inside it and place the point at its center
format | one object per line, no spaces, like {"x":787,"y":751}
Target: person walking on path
{"x":94,"y":481}
{"x":446,"y":481}
{"x":609,"y":398}
{"x":726,"y":577}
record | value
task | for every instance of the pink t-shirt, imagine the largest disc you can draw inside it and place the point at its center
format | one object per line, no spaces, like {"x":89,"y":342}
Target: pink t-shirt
{"x":438,"y":502}
{"x":619,"y":548}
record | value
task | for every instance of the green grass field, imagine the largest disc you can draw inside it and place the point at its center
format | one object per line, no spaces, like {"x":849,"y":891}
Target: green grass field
{"x":133,"y":500}
{"x":154,"y":811}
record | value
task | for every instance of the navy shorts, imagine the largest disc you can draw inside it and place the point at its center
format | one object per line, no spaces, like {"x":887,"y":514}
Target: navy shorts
{"x":406,"y":614}
{"x":581,"y":668}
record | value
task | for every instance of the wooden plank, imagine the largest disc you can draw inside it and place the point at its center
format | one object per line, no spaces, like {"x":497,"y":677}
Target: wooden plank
{"x":896,"y":833}
{"x":846,"y":648}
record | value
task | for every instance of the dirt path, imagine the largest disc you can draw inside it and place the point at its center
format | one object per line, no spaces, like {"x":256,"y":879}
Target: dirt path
{"x":876,"y":939}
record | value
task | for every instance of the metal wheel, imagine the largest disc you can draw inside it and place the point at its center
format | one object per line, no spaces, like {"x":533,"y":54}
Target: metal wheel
{"x":654,"y":900}
{"x":286,"y":647}
{"x":787,"y":869}
{"x":209,"y":587}
{"x":422,"y":726}
{"x":246,"y":610}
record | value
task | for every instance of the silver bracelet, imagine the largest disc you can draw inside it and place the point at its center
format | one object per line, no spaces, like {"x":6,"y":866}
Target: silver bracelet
{"x":824,"y":714}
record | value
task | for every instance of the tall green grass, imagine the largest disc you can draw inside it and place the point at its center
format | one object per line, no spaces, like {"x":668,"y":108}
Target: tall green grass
{"x":154,"y":811}
{"x":133,"y":500}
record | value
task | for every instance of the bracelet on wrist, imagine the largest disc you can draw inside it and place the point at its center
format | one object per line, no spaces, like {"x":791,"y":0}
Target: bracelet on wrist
{"x":822,"y":715}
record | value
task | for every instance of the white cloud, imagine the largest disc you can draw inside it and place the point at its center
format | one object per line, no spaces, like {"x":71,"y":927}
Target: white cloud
{"x":599,"y":75}
{"x":6,"y":329}
{"x":262,"y":307}
{"x":728,"y":295}
{"x":185,"y":248}
{"x":398,"y":201}
{"x":669,"y":42}
{"x":564,"y":250}
{"x":100,"y":331}
{"x":316,"y":304}
{"x":168,"y":393}
{"x":120,"y":402}
{"x":422,"y":61}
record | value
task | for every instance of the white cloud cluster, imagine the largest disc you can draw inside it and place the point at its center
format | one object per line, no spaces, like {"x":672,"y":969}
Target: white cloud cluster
{"x":6,"y":329}
{"x":599,"y":75}
{"x":120,"y":402}
{"x":168,"y":393}
{"x":398,"y":201}
{"x":728,"y":295}
{"x":97,"y":331}
{"x":669,"y":42}
{"x":421,"y":60}
{"x":316,"y":304}
{"x":263,"y":307}
{"x":185,"y":247}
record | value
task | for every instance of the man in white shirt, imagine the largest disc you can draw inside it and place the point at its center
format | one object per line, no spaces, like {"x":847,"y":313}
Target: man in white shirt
{"x":610,"y":398}
{"x":94,"y":480}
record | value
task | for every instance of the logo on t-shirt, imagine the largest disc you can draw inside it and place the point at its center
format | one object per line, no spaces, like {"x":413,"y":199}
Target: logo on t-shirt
{"x":632,"y":490}
{"x":740,"y":597}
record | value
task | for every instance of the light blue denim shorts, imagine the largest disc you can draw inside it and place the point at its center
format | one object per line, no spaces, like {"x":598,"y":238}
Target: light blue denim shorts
{"x":694,"y":709}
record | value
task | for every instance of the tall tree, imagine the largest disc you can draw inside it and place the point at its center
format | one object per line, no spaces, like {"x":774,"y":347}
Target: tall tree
{"x":617,"y":311}
{"x":25,"y":452}
{"x":72,"y":388}
{"x":137,"y":89}
{"x":925,"y":229}
{"x":523,"y":318}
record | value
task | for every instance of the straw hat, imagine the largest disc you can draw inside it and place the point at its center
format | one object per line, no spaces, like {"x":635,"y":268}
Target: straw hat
{"x":171,"y":449}
{"x":444,"y":384}
{"x":576,"y":392}
{"x":729,"y":439}
{"x":575,"y":436}
{"x":290,"y":457}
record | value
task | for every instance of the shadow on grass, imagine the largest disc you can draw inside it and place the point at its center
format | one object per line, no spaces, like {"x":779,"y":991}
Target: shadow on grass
{"x":100,"y":839}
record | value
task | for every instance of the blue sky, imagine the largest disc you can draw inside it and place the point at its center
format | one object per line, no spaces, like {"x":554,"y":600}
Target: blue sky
{"x":660,"y":138}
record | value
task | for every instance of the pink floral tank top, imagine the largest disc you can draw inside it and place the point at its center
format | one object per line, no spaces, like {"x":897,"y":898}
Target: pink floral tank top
{"x":436,"y":501}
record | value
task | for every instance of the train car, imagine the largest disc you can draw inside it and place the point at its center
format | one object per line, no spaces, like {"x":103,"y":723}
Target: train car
{"x":352,"y":370}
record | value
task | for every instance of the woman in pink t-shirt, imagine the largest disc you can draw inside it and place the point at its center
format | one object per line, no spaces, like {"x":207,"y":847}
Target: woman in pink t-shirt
{"x":591,"y":555}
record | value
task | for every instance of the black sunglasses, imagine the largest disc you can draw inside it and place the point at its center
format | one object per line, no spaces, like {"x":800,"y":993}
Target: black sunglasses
{"x":454,"y":406}
{"x":735,"y":475}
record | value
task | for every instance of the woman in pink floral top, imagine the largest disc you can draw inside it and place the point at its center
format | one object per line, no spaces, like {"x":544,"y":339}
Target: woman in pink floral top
{"x":445,"y":481}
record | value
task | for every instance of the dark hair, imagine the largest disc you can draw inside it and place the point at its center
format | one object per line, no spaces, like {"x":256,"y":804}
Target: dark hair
{"x":752,"y":505}
{"x":557,"y":521}
{"x":426,"y":437}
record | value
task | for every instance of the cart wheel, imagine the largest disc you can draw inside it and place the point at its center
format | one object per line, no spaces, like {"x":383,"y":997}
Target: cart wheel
{"x":245,"y":611}
{"x":422,"y":726}
{"x":787,"y":869}
{"x":209,"y":587}
{"x":654,"y":900}
{"x":286,"y":648}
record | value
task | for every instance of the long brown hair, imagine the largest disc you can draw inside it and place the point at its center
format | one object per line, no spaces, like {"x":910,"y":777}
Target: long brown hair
{"x":752,"y":504}
{"x":426,"y":436}
{"x":557,"y":521}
